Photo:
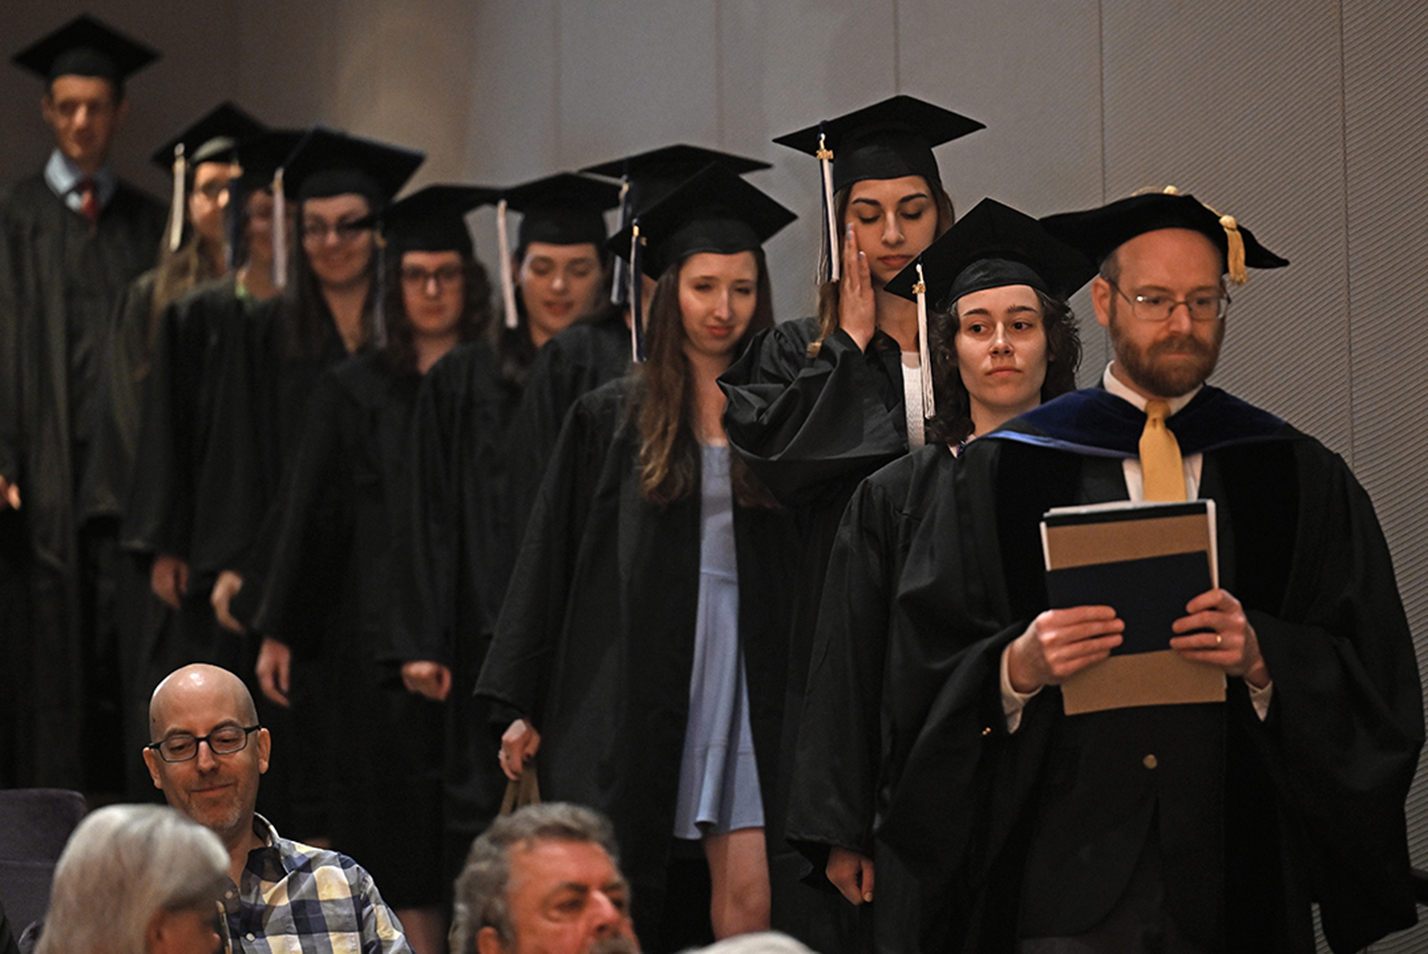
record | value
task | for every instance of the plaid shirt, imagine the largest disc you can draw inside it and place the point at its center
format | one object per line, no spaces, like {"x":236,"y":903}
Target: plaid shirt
{"x":297,"y":898}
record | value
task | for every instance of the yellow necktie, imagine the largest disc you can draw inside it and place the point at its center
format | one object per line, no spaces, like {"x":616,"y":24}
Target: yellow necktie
{"x":1160,"y":465}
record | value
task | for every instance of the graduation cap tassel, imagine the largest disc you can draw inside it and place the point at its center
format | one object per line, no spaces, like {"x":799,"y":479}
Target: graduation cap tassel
{"x":1235,"y":259}
{"x":637,"y":318}
{"x":503,"y":249}
{"x":620,"y":287}
{"x":176,"y":207}
{"x":832,"y":250}
{"x":924,"y":346}
{"x":280,"y":233}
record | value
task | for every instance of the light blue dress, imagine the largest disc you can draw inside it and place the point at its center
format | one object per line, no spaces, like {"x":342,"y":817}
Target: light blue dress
{"x":718,"y":777}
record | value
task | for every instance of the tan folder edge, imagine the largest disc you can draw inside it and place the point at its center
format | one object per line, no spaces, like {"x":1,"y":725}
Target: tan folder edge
{"x":1144,"y":679}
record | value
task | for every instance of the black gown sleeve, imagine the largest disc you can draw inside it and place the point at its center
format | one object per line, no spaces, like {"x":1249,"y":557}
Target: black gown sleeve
{"x":839,"y":751}
{"x":305,"y":540}
{"x":807,"y":423}
{"x":517,"y":670}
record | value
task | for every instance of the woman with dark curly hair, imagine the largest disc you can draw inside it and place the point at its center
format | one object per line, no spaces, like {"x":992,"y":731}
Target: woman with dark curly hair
{"x":643,"y":641}
{"x":329,"y":595}
{"x":1003,"y":342}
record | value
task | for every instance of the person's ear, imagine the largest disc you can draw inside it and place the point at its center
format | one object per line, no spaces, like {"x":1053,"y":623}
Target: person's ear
{"x":488,"y":941}
{"x":151,"y":759}
{"x":265,"y":750}
{"x":1101,"y":293}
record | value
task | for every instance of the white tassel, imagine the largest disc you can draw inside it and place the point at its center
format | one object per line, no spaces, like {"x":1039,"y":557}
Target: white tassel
{"x":503,"y":249}
{"x":924,"y":349}
{"x":835,"y":245}
{"x":177,"y":211}
{"x":280,"y":233}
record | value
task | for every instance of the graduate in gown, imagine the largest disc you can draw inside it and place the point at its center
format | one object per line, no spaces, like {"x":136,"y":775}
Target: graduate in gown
{"x":185,"y":482}
{"x":194,"y":251}
{"x":1003,"y":340}
{"x":325,"y":314}
{"x":598,"y":348}
{"x":643,"y":640}
{"x":343,"y":507}
{"x":457,"y":553}
{"x":1212,"y":825}
{"x":72,"y":238}
{"x":817,"y":404}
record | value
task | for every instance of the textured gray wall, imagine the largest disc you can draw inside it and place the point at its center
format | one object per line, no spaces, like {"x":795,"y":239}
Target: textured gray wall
{"x":1305,"y":118}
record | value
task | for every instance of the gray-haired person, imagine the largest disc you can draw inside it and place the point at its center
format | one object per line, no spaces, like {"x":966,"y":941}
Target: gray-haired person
{"x":545,"y":878}
{"x":136,"y":879}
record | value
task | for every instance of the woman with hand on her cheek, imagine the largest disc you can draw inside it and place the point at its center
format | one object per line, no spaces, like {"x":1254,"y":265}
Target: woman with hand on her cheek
{"x":643,"y":642}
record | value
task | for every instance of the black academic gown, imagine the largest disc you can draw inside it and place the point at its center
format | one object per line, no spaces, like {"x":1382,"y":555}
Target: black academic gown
{"x":330,"y":597}
{"x":1253,"y":819}
{"x":264,"y":383}
{"x":450,"y":583}
{"x":595,"y":641}
{"x":574,"y":362}
{"x":812,"y":429}
{"x":877,"y":664}
{"x":59,"y":285}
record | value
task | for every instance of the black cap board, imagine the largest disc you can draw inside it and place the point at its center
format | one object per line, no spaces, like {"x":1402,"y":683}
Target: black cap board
{"x":650,"y":176}
{"x":86,"y":47}
{"x":653,"y":175}
{"x":260,"y":156}
{"x":563,"y":209}
{"x":1100,"y":231}
{"x":211,"y":138}
{"x":432,"y":219}
{"x":715,"y":211}
{"x":991,"y":246}
{"x":887,"y":140}
{"x":328,"y":162}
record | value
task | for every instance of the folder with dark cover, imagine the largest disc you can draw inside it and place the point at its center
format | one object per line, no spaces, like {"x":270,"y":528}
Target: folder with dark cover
{"x":1147,"y":561}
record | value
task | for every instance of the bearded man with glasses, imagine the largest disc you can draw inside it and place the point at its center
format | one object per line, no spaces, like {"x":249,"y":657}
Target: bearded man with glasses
{"x":206,"y":755}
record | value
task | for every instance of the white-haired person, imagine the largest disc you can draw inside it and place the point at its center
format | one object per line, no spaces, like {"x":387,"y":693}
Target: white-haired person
{"x":136,"y":879}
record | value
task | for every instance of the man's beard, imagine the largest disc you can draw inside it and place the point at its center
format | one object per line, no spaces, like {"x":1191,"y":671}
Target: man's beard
{"x":1166,"y":378}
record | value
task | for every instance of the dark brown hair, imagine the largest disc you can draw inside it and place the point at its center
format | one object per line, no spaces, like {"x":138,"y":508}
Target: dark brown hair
{"x":828,"y":291}
{"x":400,"y":349}
{"x":953,"y":421}
{"x":664,"y":403}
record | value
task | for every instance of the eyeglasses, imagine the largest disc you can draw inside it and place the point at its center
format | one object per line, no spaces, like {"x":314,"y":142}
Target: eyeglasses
{"x":316,"y":231}
{"x":1202,"y":306}
{"x":418,"y":277}
{"x":224,"y":740}
{"x":212,"y":191}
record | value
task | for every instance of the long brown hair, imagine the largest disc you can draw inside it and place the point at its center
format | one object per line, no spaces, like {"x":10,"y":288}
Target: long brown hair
{"x":310,"y":320}
{"x":828,"y":291}
{"x":400,"y":349}
{"x":665,"y":404}
{"x":953,"y":421}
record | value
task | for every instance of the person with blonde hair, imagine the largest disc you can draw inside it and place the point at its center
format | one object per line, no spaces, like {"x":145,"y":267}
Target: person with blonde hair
{"x":136,"y":879}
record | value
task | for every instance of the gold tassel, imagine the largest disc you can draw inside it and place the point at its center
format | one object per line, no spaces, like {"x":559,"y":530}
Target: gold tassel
{"x":1235,"y":257}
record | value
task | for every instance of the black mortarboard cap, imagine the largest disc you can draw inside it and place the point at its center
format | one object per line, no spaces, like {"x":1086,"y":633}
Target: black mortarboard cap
{"x":328,"y":162}
{"x":991,"y":246}
{"x":715,"y":211}
{"x":653,"y":175}
{"x":1099,"y":232}
{"x":563,"y":209}
{"x":213,"y":137}
{"x":260,"y":156}
{"x":887,"y":140}
{"x":650,"y":176}
{"x":432,"y":219}
{"x":86,"y":47}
